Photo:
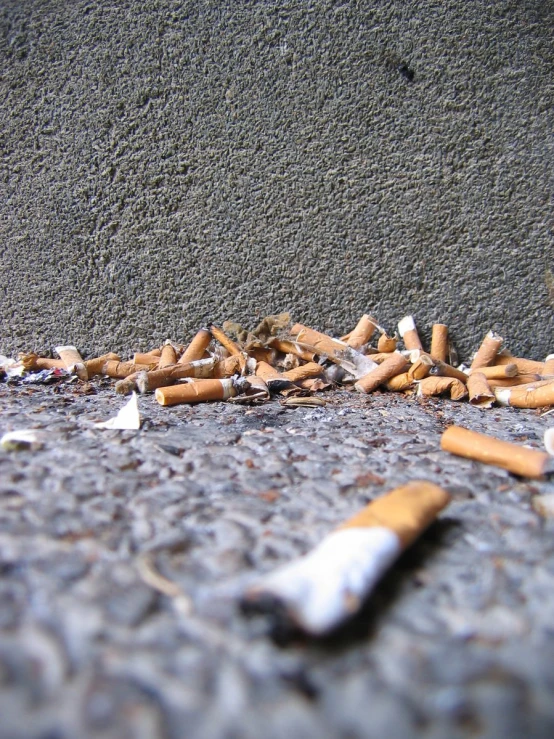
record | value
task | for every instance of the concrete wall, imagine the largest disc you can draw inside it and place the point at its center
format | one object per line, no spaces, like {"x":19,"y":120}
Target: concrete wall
{"x":166,"y":163}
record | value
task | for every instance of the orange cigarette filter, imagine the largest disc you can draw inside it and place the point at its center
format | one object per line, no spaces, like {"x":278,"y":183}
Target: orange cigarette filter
{"x":152,"y":357}
{"x":274,"y":379}
{"x":535,"y":395}
{"x":311,"y":369}
{"x":168,"y":356}
{"x":480,"y":393}
{"x":321,"y":343}
{"x":195,"y":350}
{"x":197,"y":391}
{"x":73,"y":361}
{"x":407,"y":510}
{"x":497,"y":371}
{"x":524,"y":366}
{"x":394,"y":365}
{"x":489,"y":450}
{"x":362,"y":333}
{"x":202,"y":368}
{"x":421,"y":367}
{"x":32,"y":361}
{"x":439,"y":342}
{"x":408,"y":333}
{"x":386,"y":343}
{"x":400,"y":382}
{"x":94,"y":366}
{"x":232,"y":347}
{"x":515,"y":381}
{"x":260,"y":354}
{"x":291,"y":347}
{"x":120,"y":370}
{"x":486,"y":354}
{"x":441,"y":369}
{"x":433,"y":385}
{"x":227,"y":367}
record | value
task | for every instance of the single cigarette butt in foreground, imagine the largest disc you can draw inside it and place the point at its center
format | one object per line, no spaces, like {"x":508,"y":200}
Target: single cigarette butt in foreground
{"x":195,"y":350}
{"x":365,"y":328}
{"x":480,"y":393}
{"x":386,"y":343}
{"x":497,"y":371}
{"x":408,"y":332}
{"x":486,"y":354}
{"x":329,"y":584}
{"x":481,"y":448}
{"x":394,"y":365}
{"x":73,"y":361}
{"x":196,"y":391}
{"x":431,"y":385}
{"x":535,"y":395}
{"x":439,"y":342}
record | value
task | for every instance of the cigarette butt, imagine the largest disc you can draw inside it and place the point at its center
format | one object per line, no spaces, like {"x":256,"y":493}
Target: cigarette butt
{"x":152,"y":357}
{"x":534,"y":395}
{"x":274,"y":379}
{"x":386,"y":343}
{"x":480,"y":393}
{"x":292,"y":347}
{"x":486,"y":354}
{"x":515,"y":381}
{"x":408,"y":333}
{"x":33,"y":362}
{"x":379,"y":357}
{"x":482,"y":448}
{"x":524,"y":366}
{"x":441,"y":369}
{"x":497,"y":371}
{"x":548,"y":368}
{"x":120,"y":370}
{"x":73,"y":361}
{"x":195,"y":350}
{"x":227,"y":367}
{"x":321,"y":343}
{"x":328,"y":585}
{"x":128,"y":385}
{"x":260,"y":354}
{"x":400,"y":382}
{"x":95,"y":365}
{"x":433,"y":385}
{"x":394,"y":365}
{"x":196,"y":391}
{"x":362,"y":333}
{"x":314,"y":384}
{"x":168,"y":356}
{"x":345,"y":337}
{"x":439,"y":342}
{"x":421,"y":367}
{"x":257,"y":391}
{"x":311,"y":369}
{"x":200,"y":369}
{"x":232,"y":347}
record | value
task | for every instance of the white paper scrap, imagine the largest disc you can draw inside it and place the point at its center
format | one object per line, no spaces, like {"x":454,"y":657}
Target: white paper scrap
{"x":21,"y":440}
{"x":127,"y":418}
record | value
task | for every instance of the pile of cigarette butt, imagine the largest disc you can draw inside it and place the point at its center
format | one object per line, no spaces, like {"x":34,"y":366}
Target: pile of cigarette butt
{"x":292,"y":362}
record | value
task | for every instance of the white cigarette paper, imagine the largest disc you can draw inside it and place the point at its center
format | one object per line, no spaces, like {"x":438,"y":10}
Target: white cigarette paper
{"x":329,"y":584}
{"x":128,"y":417}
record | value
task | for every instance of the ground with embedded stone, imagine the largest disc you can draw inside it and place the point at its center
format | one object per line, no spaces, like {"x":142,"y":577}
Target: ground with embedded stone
{"x":456,"y":641}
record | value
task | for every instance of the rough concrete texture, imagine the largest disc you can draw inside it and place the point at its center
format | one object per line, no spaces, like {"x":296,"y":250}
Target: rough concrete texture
{"x":168,"y":162}
{"x":457,"y":641}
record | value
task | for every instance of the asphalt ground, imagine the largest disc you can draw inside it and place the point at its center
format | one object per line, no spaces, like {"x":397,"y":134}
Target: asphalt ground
{"x":123,"y":555}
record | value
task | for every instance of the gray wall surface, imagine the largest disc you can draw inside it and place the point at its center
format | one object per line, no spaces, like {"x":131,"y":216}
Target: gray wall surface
{"x":166,"y":163}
